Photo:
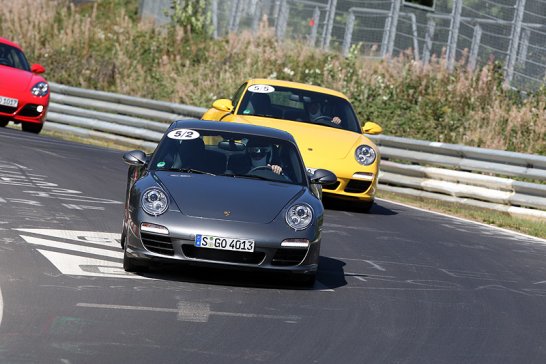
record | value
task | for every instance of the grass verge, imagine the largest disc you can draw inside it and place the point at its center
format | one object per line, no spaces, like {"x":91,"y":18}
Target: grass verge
{"x":503,"y":220}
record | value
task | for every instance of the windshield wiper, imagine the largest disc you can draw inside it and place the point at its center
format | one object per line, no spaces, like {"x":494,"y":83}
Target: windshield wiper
{"x":251,"y":176}
{"x":188,"y":170}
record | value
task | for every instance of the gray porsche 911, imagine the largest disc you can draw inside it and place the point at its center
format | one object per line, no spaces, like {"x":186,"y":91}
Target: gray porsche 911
{"x":226,"y":195}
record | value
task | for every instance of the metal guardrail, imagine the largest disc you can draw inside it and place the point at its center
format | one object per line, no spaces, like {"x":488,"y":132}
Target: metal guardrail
{"x":458,"y":173}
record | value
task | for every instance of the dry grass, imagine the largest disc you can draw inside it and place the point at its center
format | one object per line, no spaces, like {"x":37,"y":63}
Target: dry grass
{"x":103,"y":46}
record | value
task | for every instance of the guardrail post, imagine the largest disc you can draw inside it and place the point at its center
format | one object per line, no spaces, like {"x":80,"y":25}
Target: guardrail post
{"x":235,"y":16}
{"x":454,"y":33}
{"x":348,"y":33}
{"x":475,"y":47}
{"x":257,"y":15}
{"x":524,"y":46}
{"x":514,"y":43}
{"x":415,"y":36}
{"x":214,"y":18}
{"x":314,"y":27}
{"x":391,"y":24}
{"x":427,"y":48}
{"x":282,"y":20}
{"x":329,"y":23}
{"x":276,"y":10}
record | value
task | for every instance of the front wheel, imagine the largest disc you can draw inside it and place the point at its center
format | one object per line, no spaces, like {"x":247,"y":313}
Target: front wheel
{"x":3,"y":122}
{"x":131,"y":264}
{"x":32,"y":127}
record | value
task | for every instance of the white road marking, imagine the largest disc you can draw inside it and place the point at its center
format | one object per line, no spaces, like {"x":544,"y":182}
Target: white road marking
{"x":321,"y":287}
{"x":1,"y":307}
{"x":375,"y":265}
{"x":73,"y":247}
{"x":82,"y":207}
{"x":69,"y":260}
{"x":492,"y":227}
{"x":83,"y":266}
{"x":189,"y":311}
{"x":95,"y":237}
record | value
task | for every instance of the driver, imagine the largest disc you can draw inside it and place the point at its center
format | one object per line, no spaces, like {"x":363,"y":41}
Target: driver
{"x":262,"y":156}
{"x":315,"y":113}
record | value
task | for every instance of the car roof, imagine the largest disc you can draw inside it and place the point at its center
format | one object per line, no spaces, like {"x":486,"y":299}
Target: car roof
{"x":298,"y":85}
{"x":233,"y":127}
{"x":5,"y":41}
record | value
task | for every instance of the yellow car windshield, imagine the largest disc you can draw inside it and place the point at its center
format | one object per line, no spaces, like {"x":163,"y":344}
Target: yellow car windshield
{"x":300,"y":106}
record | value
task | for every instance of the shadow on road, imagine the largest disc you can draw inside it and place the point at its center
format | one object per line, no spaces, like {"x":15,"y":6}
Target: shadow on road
{"x":350,"y":206}
{"x":330,"y":275}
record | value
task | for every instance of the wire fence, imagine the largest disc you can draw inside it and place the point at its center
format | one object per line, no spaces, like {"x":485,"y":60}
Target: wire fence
{"x":471,"y":32}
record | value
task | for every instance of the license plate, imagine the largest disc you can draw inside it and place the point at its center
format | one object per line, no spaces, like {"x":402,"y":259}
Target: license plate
{"x":218,"y":242}
{"x":6,"y":101}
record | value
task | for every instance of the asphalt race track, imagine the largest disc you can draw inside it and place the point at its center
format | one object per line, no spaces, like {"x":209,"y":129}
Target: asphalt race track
{"x":398,"y":285}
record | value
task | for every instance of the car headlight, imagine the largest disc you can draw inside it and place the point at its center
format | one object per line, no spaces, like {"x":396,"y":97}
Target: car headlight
{"x":40,"y":89}
{"x":365,"y":155}
{"x":299,"y":216}
{"x":154,"y":201}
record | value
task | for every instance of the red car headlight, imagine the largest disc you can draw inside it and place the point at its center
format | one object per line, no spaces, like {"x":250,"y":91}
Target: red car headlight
{"x":40,"y":89}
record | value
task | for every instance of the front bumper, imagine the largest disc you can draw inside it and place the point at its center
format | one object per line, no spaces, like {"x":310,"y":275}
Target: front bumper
{"x":352,"y":188}
{"x":26,"y":111}
{"x":178,"y":247}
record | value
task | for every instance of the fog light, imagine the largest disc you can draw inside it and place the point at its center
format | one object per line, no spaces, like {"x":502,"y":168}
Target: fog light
{"x":154,"y":228}
{"x":39,"y":108}
{"x":362,"y":176}
{"x":295,"y":243}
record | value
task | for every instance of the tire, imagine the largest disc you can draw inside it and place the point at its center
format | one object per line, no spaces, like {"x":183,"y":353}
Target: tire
{"x":131,"y":264}
{"x":32,"y":127}
{"x":123,"y":236}
{"x":3,"y":122}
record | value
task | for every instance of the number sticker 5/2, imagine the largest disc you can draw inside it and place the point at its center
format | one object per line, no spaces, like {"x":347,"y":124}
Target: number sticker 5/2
{"x":183,"y":134}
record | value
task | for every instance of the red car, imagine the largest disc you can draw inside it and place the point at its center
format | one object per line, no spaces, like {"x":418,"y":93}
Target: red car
{"x":24,"y":94}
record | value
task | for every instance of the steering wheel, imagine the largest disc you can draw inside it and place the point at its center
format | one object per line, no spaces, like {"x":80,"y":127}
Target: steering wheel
{"x":324,"y":117}
{"x":258,"y":168}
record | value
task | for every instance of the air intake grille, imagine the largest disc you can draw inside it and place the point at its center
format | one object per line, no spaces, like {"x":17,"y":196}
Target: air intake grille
{"x":356,"y":186}
{"x":7,"y":109}
{"x":157,"y":243}
{"x":285,"y":257}
{"x":331,"y":187}
{"x":29,"y":110}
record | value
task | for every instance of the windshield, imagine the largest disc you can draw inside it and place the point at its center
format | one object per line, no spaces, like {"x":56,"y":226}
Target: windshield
{"x":13,"y":57}
{"x":299,"y":105}
{"x":228,"y":154}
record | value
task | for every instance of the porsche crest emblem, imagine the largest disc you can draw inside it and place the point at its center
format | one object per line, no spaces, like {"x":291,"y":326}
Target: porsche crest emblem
{"x":227,"y":213}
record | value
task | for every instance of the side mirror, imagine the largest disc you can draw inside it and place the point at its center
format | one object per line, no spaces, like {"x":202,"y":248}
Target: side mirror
{"x":135,"y":158}
{"x":371,"y":128}
{"x":323,"y":177}
{"x":223,"y":105}
{"x":37,"y":68}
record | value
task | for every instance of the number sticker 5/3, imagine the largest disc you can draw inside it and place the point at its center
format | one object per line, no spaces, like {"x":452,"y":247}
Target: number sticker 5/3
{"x":183,"y":134}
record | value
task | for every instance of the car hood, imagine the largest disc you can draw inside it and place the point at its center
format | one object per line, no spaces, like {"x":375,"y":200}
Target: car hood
{"x":314,"y":141}
{"x":228,"y":198}
{"x":16,"y":79}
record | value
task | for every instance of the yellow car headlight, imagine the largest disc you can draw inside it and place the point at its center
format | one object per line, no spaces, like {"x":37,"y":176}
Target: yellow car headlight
{"x":365,"y":155}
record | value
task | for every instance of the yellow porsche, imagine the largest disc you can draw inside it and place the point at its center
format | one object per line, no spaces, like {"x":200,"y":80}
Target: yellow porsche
{"x":324,"y":124}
